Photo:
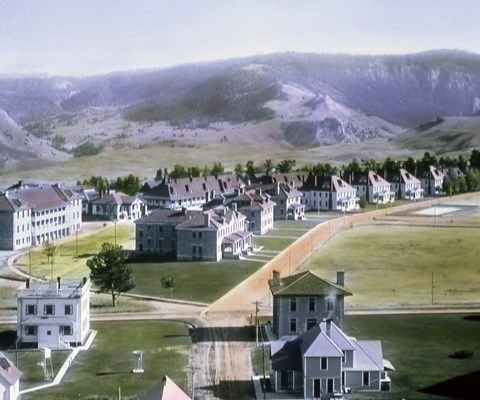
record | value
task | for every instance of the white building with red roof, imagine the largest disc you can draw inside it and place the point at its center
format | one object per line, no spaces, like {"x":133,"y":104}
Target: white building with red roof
{"x":33,"y":215}
{"x":323,"y":193}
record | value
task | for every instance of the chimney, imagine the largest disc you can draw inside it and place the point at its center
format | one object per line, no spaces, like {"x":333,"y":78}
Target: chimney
{"x":234,"y":207}
{"x":329,"y":326}
{"x":277,"y":188}
{"x":258,"y":191}
{"x":276,"y":277}
{"x":27,"y":283}
{"x":58,"y":282}
{"x":206,"y":218}
{"x":341,"y":278}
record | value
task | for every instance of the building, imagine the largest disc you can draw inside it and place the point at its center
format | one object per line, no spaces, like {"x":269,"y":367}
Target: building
{"x":166,"y":390}
{"x":432,"y":181}
{"x":405,"y":185}
{"x":213,"y":235}
{"x":372,"y":187}
{"x":193,"y":235}
{"x":54,"y":314}
{"x":187,"y":192}
{"x":302,"y":300}
{"x":115,"y":206}
{"x":9,"y":379}
{"x":288,"y":200}
{"x":155,"y":233}
{"x":324,"y":360}
{"x":329,"y":193}
{"x":33,"y":215}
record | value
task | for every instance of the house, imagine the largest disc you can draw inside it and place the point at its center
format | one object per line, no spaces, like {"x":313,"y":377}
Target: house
{"x":155,"y":233}
{"x":33,"y":215}
{"x":372,"y":187}
{"x":329,"y":193}
{"x":288,"y":202}
{"x":54,"y":314}
{"x":9,"y":379}
{"x":213,"y":235}
{"x":302,"y":300}
{"x":166,"y":390}
{"x":405,"y":185}
{"x":432,"y":181}
{"x":193,"y":235}
{"x":324,"y":360}
{"x":257,"y":207}
{"x":187,"y":192}
{"x":115,"y":206}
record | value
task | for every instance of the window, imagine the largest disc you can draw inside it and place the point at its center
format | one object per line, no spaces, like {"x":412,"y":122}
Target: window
{"x":30,"y":309}
{"x":329,"y":304}
{"x":30,"y":330}
{"x":140,"y":233}
{"x":194,"y":235}
{"x":49,"y":309}
{"x":366,"y":378}
{"x":344,"y":357}
{"x":293,"y":325}
{"x":311,"y":322}
{"x":68,"y":309}
{"x":323,"y":363}
{"x":199,"y":235}
{"x":293,"y":304}
{"x":311,"y":304}
{"x":66,"y":330}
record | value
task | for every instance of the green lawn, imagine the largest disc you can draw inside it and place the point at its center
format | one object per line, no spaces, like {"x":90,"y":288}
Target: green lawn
{"x":107,"y":366}
{"x":419,"y":347}
{"x":391,"y":266}
{"x":198,"y":281}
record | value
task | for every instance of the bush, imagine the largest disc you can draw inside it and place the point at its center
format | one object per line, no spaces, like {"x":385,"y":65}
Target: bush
{"x":87,"y":149}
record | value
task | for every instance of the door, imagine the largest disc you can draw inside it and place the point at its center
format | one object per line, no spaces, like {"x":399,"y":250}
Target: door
{"x":330,"y":385}
{"x":316,"y":388}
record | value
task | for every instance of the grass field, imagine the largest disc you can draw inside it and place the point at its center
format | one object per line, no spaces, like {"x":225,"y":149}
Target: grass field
{"x":107,"y":366}
{"x":392,"y":266}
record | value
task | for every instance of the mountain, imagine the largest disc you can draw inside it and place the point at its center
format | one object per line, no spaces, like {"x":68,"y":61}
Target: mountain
{"x":288,"y":100}
{"x":17,"y":145}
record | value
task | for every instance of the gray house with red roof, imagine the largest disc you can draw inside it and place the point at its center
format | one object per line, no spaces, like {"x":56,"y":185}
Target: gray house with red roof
{"x":32,"y":215}
{"x":302,"y":300}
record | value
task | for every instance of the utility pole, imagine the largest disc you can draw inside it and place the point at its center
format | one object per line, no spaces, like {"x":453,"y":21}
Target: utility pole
{"x":257,"y":303}
{"x":432,"y":288}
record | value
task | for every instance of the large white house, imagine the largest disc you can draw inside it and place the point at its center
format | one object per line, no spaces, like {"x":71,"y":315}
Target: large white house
{"x":33,"y":215}
{"x":329,"y":193}
{"x":54,"y":314}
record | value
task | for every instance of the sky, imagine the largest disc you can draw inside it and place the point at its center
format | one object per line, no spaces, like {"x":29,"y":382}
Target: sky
{"x":90,"y":37}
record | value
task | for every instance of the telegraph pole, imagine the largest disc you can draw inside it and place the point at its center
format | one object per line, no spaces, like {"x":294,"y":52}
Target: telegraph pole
{"x":257,"y":303}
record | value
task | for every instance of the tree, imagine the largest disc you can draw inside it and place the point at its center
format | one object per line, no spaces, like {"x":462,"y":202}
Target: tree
{"x":250,"y":169}
{"x":49,"y":250}
{"x":268,"y":166}
{"x":109,"y":271}
{"x":217,"y":169}
{"x":159,"y":175}
{"x":239,"y":170}
{"x":179,"y":171}
{"x":286,"y":166}
{"x":475,"y":159}
{"x":168,"y":283}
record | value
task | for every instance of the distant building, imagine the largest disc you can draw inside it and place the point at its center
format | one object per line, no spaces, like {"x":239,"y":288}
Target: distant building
{"x":193,"y":235}
{"x":324,"y":360}
{"x":33,"y":215}
{"x":329,"y":193}
{"x":187,"y":192}
{"x":372,"y":187}
{"x":302,"y":300}
{"x":116,"y":206}
{"x":432,"y":181}
{"x":405,"y":185}
{"x":9,"y":379}
{"x":54,"y":314}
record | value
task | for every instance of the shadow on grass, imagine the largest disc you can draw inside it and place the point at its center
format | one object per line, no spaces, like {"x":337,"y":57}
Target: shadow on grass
{"x":474,"y":318}
{"x":7,"y":339}
{"x":87,"y":255}
{"x":223,"y":334}
{"x":232,"y":390}
{"x":464,"y":387}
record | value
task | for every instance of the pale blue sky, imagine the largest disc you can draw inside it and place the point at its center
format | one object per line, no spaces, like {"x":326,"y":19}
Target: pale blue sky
{"x":85,"y":37}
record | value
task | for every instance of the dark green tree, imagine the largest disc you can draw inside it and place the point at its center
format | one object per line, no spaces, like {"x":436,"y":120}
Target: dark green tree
{"x":239,"y":170}
{"x":250,"y":169}
{"x":110,"y":272}
{"x":168,"y":283}
{"x":217,"y":169}
{"x":286,"y":166}
{"x":268,"y":166}
{"x":475,"y":159}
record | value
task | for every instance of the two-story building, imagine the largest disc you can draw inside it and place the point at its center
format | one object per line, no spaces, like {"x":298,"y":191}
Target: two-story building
{"x":324,"y":360}
{"x":288,"y":202}
{"x":302,"y":300}
{"x":33,"y":215}
{"x":187,"y":192}
{"x":323,"y":193}
{"x":372,"y":187}
{"x":115,"y":206}
{"x":193,"y":235}
{"x":405,"y":185}
{"x":54,"y":314}
{"x":432,"y":181}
